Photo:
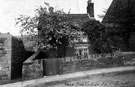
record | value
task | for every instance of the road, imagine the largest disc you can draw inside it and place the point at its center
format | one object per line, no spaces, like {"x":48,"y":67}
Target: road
{"x":123,"y":79}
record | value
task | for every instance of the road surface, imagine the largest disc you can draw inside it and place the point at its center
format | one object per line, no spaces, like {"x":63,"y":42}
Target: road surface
{"x":123,"y":79}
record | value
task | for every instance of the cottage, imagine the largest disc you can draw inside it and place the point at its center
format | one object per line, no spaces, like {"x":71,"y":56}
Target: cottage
{"x":81,"y":47}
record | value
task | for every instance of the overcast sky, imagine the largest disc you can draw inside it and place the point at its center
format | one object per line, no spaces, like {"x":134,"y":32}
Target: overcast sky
{"x":11,"y":9}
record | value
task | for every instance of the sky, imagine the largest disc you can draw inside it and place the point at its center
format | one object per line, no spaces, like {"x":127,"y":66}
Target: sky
{"x":11,"y":9}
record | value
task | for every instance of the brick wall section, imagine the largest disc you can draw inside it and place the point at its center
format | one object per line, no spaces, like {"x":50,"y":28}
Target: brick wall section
{"x":5,"y":56}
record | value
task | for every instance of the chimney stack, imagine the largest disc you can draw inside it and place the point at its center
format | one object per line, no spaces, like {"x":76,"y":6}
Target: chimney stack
{"x":90,"y":9}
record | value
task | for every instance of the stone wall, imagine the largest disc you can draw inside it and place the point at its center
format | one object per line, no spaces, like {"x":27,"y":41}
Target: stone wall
{"x":57,"y":66}
{"x":5,"y":56}
{"x":32,"y":70}
{"x":94,"y":61}
{"x":12,"y":55}
{"x":75,"y":64}
{"x":89,"y":64}
{"x":54,"y":66}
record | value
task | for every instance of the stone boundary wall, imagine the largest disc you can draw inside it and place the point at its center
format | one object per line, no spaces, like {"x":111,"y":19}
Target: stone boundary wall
{"x":63,"y":66}
{"x":54,"y":66}
{"x":91,"y":56}
{"x":5,"y":56}
{"x":94,"y":61}
{"x":32,"y":70}
{"x":96,"y":56}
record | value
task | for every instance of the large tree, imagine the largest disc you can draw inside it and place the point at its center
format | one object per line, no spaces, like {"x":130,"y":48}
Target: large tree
{"x":121,"y":14}
{"x":55,"y":30}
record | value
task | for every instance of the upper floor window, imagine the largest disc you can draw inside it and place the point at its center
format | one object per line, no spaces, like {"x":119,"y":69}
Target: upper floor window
{"x":82,"y":37}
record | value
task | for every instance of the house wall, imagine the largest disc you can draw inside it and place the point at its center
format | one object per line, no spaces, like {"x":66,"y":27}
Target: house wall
{"x":5,"y":56}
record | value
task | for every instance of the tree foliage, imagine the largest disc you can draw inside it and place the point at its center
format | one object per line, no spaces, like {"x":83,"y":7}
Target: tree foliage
{"x":121,"y":15}
{"x":98,"y":36}
{"x":55,"y":30}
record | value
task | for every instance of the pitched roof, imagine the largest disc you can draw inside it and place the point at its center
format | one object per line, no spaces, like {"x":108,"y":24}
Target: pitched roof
{"x":31,"y":58}
{"x":78,"y":18}
{"x":120,"y":10}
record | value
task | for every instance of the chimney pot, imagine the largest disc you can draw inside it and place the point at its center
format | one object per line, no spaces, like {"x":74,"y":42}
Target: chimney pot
{"x":89,"y":1}
{"x":90,"y":8}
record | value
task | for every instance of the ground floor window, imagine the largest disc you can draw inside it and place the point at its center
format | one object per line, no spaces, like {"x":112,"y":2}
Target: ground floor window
{"x":81,"y":51}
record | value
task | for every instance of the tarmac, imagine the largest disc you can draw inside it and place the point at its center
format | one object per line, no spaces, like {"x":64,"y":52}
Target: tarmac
{"x":70,"y":76}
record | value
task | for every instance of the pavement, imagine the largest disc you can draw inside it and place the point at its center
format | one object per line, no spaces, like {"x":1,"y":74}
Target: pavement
{"x":65,"y":77}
